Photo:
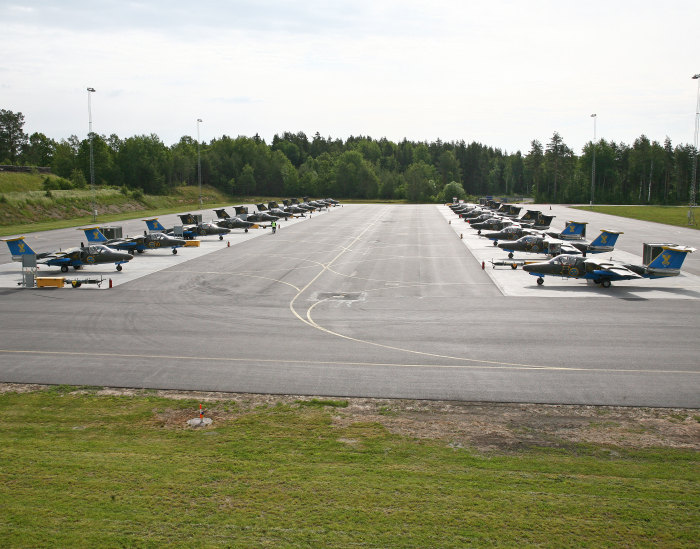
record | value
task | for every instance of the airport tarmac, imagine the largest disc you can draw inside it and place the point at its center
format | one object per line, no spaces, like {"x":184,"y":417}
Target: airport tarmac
{"x":143,"y":264}
{"x":376,"y":300}
{"x":520,"y":283}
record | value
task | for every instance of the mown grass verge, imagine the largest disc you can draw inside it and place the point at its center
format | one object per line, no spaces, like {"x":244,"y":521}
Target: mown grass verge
{"x":85,"y":470}
{"x":670,"y":215}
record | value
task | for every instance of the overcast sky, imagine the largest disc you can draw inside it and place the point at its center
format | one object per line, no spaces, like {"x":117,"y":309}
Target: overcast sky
{"x":498,"y":72}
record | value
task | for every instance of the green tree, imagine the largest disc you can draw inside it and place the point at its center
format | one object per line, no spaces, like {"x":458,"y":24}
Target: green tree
{"x":39,"y":150}
{"x":453,"y":190}
{"x":143,"y":160}
{"x":12,"y":136}
{"x":555,"y":149}
{"x":246,"y":182}
{"x":449,"y":167}
{"x":355,"y":176}
{"x":420,"y":181}
{"x":64,"y":157}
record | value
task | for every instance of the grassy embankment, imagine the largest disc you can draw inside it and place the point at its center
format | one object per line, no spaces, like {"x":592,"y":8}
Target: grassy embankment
{"x":25,"y":206}
{"x":670,"y":215}
{"x":82,"y":470}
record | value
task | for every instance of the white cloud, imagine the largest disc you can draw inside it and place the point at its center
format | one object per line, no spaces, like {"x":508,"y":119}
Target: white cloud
{"x":502,"y":73}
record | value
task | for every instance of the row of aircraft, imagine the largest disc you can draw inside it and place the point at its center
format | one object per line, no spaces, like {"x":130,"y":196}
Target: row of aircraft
{"x":101,"y":250}
{"x":567,"y":249}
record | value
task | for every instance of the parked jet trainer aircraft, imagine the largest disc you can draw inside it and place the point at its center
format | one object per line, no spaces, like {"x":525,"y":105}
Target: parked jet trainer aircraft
{"x":228,"y":222}
{"x":72,"y":257}
{"x":255,"y":217}
{"x":140,"y":244}
{"x":667,"y":263}
{"x":273,"y":210}
{"x":190,"y":227}
{"x":540,"y":244}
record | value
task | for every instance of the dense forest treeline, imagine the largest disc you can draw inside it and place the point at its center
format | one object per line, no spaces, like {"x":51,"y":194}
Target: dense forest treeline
{"x":645,"y":172}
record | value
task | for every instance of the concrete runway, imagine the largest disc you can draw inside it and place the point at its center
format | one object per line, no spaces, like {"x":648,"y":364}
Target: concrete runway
{"x":365,"y":300}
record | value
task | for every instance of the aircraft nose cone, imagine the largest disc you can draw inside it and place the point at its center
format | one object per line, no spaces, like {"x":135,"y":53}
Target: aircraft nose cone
{"x":503,"y":245}
{"x":528,"y":268}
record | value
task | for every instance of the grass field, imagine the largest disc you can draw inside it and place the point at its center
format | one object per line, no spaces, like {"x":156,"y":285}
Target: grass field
{"x":87,"y":470}
{"x":670,"y":215}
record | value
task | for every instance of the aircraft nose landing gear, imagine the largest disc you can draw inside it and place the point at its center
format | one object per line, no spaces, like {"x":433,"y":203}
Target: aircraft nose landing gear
{"x":540,"y":281}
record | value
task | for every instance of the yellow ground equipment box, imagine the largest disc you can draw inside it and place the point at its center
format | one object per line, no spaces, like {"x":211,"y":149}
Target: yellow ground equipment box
{"x":194,"y":243}
{"x":49,"y":282}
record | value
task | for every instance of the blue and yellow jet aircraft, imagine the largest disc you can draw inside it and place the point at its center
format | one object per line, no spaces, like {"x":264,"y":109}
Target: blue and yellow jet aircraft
{"x":153,"y":241}
{"x":72,"y":257}
{"x":667,"y":263}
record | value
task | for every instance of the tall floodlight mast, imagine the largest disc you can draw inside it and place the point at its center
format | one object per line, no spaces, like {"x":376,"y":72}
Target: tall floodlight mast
{"x":92,"y":160}
{"x":695,"y":142}
{"x":593,"y":116}
{"x":199,"y":165}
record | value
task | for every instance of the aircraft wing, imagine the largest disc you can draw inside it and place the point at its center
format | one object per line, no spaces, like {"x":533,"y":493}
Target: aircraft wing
{"x":569,"y":249}
{"x":55,"y":260}
{"x":617,"y":272}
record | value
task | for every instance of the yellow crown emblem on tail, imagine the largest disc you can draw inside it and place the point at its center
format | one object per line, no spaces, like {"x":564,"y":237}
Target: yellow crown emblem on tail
{"x":667,"y":259}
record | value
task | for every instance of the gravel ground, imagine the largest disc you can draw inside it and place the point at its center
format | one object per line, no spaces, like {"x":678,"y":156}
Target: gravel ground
{"x":485,"y":427}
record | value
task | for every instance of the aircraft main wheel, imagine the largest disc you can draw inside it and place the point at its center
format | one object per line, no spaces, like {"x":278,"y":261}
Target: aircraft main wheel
{"x":119,"y":267}
{"x":221,"y":237}
{"x":605,"y":283}
{"x":510,"y":255}
{"x":64,"y":268}
{"x":140,"y":251}
{"x":174,"y":251}
{"x":76,"y":267}
{"x":540,"y":281}
{"x":246,"y":230}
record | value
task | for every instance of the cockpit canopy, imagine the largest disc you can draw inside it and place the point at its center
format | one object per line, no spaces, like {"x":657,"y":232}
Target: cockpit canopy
{"x":98,"y":249}
{"x":567,"y":260}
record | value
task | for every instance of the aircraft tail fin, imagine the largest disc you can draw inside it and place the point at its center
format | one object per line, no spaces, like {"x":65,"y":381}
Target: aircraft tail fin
{"x":606,"y":238}
{"x":671,"y":257}
{"x":18,"y":246}
{"x":545,"y":220}
{"x":221,"y":214}
{"x":93,"y":234}
{"x":154,"y":224}
{"x":574,"y":229}
{"x":188,"y":219}
{"x":261,"y":207}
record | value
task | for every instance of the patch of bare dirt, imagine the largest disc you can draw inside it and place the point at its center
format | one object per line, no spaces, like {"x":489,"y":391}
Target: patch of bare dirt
{"x":482,"y":426}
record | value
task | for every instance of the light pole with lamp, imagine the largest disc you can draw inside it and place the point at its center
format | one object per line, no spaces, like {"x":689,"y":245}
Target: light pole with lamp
{"x":594,"y":117}
{"x":199,"y":165}
{"x":92,"y":161}
{"x":691,"y":216}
